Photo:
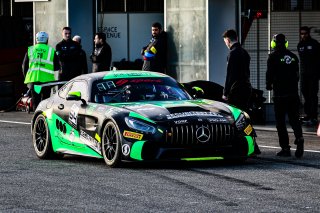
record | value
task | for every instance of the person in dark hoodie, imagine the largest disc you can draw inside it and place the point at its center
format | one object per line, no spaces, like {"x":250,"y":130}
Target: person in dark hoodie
{"x":69,"y":54}
{"x":155,"y":53}
{"x":282,"y":77}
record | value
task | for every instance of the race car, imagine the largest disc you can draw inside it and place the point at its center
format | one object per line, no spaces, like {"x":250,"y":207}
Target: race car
{"x":138,"y":116}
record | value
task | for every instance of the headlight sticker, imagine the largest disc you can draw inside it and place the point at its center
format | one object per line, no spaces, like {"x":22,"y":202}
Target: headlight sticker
{"x":133,"y":135}
{"x":248,"y":129}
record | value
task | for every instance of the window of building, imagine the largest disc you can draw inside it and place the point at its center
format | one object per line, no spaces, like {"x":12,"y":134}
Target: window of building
{"x":294,"y":5}
{"x":134,"y":6}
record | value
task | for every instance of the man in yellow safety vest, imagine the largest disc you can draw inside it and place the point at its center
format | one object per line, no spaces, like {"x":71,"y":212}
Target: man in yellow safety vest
{"x":39,"y":65}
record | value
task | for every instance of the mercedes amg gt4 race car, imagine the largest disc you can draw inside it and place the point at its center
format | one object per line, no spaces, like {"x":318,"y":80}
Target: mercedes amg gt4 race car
{"x":138,"y":116}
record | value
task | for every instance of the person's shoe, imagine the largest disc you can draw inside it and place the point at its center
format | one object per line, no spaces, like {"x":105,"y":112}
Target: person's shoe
{"x":284,"y":153}
{"x":300,"y":147}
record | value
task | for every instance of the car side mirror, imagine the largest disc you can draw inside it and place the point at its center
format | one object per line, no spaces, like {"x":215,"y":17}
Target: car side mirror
{"x":75,"y":96}
{"x":197,"y":92}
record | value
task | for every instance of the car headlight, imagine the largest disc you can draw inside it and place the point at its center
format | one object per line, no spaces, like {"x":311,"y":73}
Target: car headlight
{"x":140,"y":126}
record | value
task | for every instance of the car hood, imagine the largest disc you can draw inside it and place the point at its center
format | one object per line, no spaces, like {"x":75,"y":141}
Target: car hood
{"x":183,"y":110}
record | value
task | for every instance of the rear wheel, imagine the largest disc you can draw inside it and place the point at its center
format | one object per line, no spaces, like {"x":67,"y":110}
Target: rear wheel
{"x":111,"y":145}
{"x":41,"y":138}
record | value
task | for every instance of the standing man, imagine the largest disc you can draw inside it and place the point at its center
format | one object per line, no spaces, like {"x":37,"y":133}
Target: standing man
{"x":101,"y":56}
{"x":68,"y":52}
{"x":237,"y":89}
{"x":155,"y":53}
{"x":39,"y":65}
{"x":309,"y":53}
{"x":282,"y":76}
{"x":83,"y":65}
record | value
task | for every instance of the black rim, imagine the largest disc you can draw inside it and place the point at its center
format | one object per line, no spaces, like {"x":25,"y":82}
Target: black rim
{"x":110,"y":145}
{"x":41,"y":135}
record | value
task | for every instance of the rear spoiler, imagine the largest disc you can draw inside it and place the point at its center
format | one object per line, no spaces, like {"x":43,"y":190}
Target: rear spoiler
{"x":38,"y":88}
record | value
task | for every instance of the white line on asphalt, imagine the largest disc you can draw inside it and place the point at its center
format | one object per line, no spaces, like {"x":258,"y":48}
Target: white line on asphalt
{"x":275,"y":147}
{"x":14,"y":122}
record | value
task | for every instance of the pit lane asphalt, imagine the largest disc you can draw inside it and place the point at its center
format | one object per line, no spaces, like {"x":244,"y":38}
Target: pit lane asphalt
{"x":75,"y":184}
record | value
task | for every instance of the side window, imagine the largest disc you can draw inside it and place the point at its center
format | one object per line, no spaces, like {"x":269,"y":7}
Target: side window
{"x":82,"y":87}
{"x":64,"y":90}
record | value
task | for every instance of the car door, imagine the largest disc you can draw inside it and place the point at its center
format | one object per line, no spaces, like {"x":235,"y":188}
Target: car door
{"x":70,"y":113}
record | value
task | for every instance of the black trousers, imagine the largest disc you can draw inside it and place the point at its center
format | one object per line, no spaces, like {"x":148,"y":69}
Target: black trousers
{"x":309,"y":89}
{"x":37,"y":98}
{"x":287,"y":106}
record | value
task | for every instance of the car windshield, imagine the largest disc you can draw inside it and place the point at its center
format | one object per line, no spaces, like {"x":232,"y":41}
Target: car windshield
{"x":137,"y":90}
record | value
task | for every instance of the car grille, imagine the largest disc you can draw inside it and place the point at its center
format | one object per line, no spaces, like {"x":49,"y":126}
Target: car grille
{"x":219,"y":134}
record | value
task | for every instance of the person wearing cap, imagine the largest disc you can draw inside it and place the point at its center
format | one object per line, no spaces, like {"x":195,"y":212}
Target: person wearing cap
{"x":83,"y":65}
{"x":309,"y":54}
{"x":282,"y":77}
{"x":39,"y":65}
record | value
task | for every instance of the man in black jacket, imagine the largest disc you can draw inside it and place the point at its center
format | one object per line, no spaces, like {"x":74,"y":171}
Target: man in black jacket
{"x":102,"y":54}
{"x":309,"y":53}
{"x":155,"y":53}
{"x":282,"y":77}
{"x":69,"y":54}
{"x":237,"y":89}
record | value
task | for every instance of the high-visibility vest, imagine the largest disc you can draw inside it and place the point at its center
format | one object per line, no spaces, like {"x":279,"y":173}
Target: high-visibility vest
{"x":41,"y":68}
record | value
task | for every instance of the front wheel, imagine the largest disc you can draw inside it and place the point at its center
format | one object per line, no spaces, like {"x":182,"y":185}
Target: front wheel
{"x":111,"y":145}
{"x":41,"y":138}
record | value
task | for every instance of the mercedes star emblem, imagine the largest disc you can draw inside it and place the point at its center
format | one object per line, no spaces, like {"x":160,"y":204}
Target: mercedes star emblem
{"x":203,"y":134}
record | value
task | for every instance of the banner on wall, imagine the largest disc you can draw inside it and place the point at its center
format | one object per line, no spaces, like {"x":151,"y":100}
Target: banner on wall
{"x":115,"y":28}
{"x":127,"y":33}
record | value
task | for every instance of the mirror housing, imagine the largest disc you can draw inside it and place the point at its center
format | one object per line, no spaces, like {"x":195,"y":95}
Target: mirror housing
{"x":197,"y":92}
{"x":75,"y":96}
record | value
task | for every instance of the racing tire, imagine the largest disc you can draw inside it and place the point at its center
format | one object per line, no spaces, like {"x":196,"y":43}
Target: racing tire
{"x":111,"y":145}
{"x":41,"y":138}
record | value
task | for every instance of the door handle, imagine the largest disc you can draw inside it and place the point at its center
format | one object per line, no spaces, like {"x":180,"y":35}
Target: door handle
{"x":61,"y":106}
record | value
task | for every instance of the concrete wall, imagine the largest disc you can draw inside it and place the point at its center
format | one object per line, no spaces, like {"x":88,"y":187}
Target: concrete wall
{"x":186,"y":24}
{"x":52,"y":16}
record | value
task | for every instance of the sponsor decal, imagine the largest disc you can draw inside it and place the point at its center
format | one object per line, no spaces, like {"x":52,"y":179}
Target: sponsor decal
{"x":61,"y":126}
{"x":192,"y":113}
{"x":101,"y":109}
{"x":125,"y":149}
{"x":133,"y":135}
{"x":181,"y":121}
{"x":218,"y":120}
{"x":90,"y":108}
{"x":248,"y":129}
{"x":203,"y":134}
{"x":73,"y":115}
{"x":106,"y":85}
{"x":90,"y":142}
